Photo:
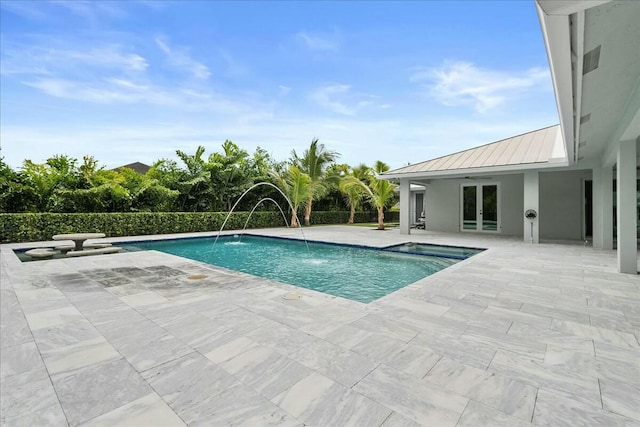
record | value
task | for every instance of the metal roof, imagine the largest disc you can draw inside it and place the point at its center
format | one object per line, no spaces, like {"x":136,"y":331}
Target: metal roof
{"x":531,"y":148}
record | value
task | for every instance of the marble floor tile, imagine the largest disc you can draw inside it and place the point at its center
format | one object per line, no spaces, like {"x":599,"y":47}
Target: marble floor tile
{"x":318,"y":401}
{"x":149,"y":410}
{"x":560,"y":410}
{"x":421,"y":308}
{"x":342,"y":366}
{"x":414,"y":360}
{"x":145,"y":349}
{"x":492,"y":302}
{"x":79,"y":355}
{"x":49,"y":318}
{"x":609,"y":336}
{"x":415,"y":399}
{"x":345,"y":335}
{"x":265,"y":371}
{"x":621,"y":398}
{"x":29,"y":399}
{"x":382,"y":325}
{"x":19,"y":359}
{"x":615,"y":352}
{"x":517,"y":316}
{"x":65,"y":334}
{"x":596,"y":367}
{"x":397,"y":420}
{"x":476,"y":414}
{"x":239,"y":405}
{"x":613,"y":321}
{"x":126,"y":290}
{"x":379,"y":348}
{"x":553,"y":339}
{"x":556,"y":313}
{"x":187,"y":382}
{"x":500,"y":341}
{"x":468,"y":352}
{"x":230,"y":349}
{"x":44,"y":299}
{"x":95,"y":390}
{"x":539,"y":374}
{"x":14,"y":330}
{"x":143,"y":298}
{"x":497,"y":391}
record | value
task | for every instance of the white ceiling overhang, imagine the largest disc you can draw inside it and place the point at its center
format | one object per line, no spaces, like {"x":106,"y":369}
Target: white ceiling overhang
{"x":594,"y":57}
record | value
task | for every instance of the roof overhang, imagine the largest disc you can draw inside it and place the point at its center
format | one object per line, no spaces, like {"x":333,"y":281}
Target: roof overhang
{"x":461,"y":173}
{"x":598,"y":105}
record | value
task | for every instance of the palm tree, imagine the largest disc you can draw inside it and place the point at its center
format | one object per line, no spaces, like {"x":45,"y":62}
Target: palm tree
{"x":353,"y":194}
{"x":296,"y":185}
{"x":314,"y":162}
{"x":193,"y":185}
{"x":379,"y":191}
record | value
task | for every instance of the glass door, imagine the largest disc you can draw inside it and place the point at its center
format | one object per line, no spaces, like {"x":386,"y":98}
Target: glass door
{"x":469,"y":207}
{"x":489,"y":212}
{"x":480,"y":207}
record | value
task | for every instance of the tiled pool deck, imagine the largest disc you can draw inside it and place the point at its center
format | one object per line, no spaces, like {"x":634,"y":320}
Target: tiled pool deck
{"x":518,"y":335}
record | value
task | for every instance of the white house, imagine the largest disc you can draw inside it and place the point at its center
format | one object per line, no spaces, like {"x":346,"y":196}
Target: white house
{"x":573,"y":175}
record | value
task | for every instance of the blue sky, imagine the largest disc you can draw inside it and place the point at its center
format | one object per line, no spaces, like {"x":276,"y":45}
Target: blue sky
{"x":401,"y":82}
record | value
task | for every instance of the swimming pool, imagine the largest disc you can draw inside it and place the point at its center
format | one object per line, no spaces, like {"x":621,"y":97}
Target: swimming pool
{"x":358,"y":273}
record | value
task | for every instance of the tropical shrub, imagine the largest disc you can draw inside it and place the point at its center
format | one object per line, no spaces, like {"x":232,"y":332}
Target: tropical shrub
{"x":30,"y":227}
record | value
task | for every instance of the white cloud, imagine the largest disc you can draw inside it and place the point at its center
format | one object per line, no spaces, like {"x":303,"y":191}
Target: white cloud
{"x":36,"y":59}
{"x":233,"y":67}
{"x":319,"y":41}
{"x":396,"y":141}
{"x":326,"y":98}
{"x":180,"y":59}
{"x":92,"y":10}
{"x":462,"y":83}
{"x":284,"y":90}
{"x":28,"y":10}
{"x":340,"y":99}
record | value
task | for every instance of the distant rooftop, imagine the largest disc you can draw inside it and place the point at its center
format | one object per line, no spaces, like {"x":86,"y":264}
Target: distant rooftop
{"x":533,"y":148}
{"x":141,"y":168}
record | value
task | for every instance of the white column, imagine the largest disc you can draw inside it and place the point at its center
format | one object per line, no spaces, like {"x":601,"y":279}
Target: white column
{"x":405,"y":206}
{"x":531,"y":201}
{"x":626,"y":207}
{"x":603,"y":207}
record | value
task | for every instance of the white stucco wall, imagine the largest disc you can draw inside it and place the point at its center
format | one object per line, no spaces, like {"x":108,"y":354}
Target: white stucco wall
{"x":443,"y":203}
{"x":512,"y":204}
{"x":442,"y":212}
{"x":561,"y":211}
{"x":561,"y":204}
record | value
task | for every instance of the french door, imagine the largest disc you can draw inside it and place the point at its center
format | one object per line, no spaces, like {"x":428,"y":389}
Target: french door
{"x":480,"y":205}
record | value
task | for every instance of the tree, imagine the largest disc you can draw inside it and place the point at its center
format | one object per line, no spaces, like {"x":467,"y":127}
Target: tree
{"x":47,"y":179}
{"x":230,"y":174}
{"x":297,"y":187}
{"x":15,"y":193}
{"x":146,"y":193}
{"x":194,"y":182}
{"x":353,"y":194}
{"x":379,"y":191}
{"x":314,"y":162}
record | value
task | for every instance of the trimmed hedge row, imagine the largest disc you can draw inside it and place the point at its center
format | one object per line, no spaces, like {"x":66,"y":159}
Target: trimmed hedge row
{"x":31,"y":227}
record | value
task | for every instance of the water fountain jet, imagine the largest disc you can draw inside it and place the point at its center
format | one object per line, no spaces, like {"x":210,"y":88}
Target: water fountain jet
{"x":244,"y":194}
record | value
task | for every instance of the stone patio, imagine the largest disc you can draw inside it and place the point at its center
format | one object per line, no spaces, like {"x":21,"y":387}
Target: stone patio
{"x":518,"y":335}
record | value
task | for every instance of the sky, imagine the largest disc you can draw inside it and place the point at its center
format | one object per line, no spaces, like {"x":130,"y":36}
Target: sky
{"x":401,"y":82}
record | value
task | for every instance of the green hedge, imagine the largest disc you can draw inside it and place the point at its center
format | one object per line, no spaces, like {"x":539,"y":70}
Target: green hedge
{"x":31,"y":227}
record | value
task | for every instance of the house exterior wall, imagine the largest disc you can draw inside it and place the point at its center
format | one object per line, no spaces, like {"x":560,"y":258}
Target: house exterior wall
{"x":561,"y":204}
{"x":443,"y":203}
{"x":442,"y":212}
{"x":560,"y":215}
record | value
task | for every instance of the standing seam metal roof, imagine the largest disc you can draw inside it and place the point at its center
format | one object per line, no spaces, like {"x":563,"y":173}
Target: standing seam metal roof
{"x":532,"y":147}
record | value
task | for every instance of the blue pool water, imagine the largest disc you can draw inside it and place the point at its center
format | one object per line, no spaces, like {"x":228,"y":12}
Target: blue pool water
{"x":357,"y":273}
